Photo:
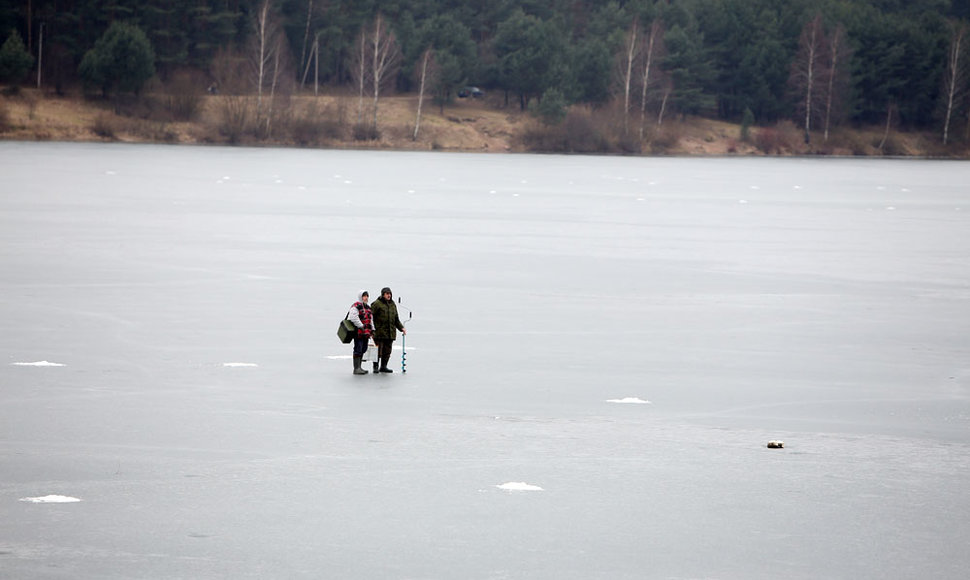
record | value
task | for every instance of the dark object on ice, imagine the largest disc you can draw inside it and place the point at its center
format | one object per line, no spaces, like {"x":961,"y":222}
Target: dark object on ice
{"x":346,"y":331}
{"x":776,"y":444}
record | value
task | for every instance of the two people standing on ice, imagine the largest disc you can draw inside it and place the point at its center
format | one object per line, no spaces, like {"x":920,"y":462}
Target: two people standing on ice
{"x":380,"y":320}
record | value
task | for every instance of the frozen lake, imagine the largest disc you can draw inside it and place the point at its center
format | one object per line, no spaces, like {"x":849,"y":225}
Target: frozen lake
{"x":599,"y":352}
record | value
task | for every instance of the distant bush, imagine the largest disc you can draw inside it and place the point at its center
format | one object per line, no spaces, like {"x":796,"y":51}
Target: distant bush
{"x":665,"y":139}
{"x":315,"y":126}
{"x":105,"y":126}
{"x":4,"y":118}
{"x":551,"y":109}
{"x":782,"y":138}
{"x":234,"y":113}
{"x":365,"y":131}
{"x":577,"y":133}
{"x":185,"y":95}
{"x":747,"y":120}
{"x":893,"y":147}
{"x":767,"y":140}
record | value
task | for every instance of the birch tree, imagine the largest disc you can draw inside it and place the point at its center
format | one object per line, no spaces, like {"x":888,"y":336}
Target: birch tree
{"x":630,"y":52}
{"x":838,"y":76}
{"x":359,"y":72}
{"x":427,"y":69}
{"x":956,"y":77}
{"x":270,"y":63}
{"x":385,"y":59}
{"x":304,"y":55}
{"x":652,"y":52}
{"x":265,"y":53}
{"x":808,"y":72}
{"x":374,"y":62}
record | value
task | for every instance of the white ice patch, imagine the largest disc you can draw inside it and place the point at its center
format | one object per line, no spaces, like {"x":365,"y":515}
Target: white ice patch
{"x":630,"y":401}
{"x":40,"y":363}
{"x":339,"y":357}
{"x":51,"y":499}
{"x":519,"y":486}
{"x":239,"y":364}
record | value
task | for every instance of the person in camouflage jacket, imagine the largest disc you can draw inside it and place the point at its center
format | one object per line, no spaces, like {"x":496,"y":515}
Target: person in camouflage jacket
{"x":386,"y":325}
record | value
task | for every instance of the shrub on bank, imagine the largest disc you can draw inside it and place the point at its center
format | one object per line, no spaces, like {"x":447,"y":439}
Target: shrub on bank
{"x":577,"y":133}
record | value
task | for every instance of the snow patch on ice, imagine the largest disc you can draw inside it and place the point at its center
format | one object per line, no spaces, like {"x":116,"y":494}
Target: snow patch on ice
{"x":629,"y":401}
{"x":40,"y":363}
{"x":239,"y":364}
{"x":339,"y":357}
{"x":51,"y":499}
{"x":519,"y":486}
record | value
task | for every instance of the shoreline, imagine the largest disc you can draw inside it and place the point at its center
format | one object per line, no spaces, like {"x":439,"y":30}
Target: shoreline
{"x":466,"y":126}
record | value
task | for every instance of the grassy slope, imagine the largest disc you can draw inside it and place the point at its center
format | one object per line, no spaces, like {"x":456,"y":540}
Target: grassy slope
{"x":466,"y":125}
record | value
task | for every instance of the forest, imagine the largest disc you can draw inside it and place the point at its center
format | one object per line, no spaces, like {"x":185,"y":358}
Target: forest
{"x":817,"y":63}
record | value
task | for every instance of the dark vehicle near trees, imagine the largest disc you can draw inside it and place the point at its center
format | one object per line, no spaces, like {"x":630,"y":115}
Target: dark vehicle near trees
{"x":473,"y":92}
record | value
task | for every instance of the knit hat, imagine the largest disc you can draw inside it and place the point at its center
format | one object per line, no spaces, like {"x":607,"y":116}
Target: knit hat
{"x":387,"y":290}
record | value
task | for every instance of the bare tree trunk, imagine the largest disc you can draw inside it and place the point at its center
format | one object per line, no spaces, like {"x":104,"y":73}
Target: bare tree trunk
{"x":653,"y":48}
{"x":424,"y":76}
{"x":272,"y":88}
{"x":304,"y":59}
{"x":812,"y":47}
{"x":306,"y":65}
{"x":386,"y":56}
{"x":631,"y":55}
{"x":359,"y":70}
{"x":835,"y":52}
{"x":807,"y":73}
{"x":663,"y":103}
{"x":955,"y":80}
{"x":889,"y":120}
{"x":262,"y":41}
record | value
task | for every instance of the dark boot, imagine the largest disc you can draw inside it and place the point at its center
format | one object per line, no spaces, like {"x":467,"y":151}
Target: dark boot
{"x":357,"y":369}
{"x":385,"y":356}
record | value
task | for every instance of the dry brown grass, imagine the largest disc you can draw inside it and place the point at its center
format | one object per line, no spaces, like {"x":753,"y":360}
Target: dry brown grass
{"x":467,"y":125}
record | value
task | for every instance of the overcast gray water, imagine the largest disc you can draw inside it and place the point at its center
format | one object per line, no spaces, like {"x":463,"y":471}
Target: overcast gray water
{"x":600,"y":350}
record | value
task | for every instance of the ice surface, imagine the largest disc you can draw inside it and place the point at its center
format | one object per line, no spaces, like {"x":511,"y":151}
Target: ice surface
{"x":542,"y":286}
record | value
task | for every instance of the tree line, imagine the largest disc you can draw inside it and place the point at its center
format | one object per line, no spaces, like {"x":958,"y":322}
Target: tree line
{"x":820,"y":63}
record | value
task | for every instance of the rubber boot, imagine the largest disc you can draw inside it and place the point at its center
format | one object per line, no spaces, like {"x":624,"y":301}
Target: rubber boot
{"x":385,"y":356}
{"x":357,"y":369}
